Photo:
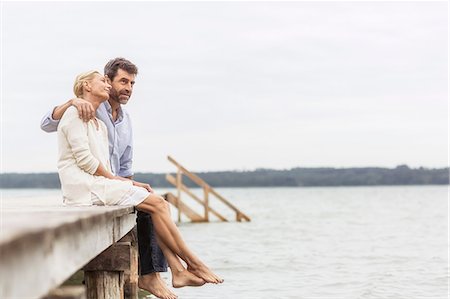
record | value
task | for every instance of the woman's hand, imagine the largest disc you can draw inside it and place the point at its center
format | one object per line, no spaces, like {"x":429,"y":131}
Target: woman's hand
{"x":143,"y":185}
{"x":137,"y":184}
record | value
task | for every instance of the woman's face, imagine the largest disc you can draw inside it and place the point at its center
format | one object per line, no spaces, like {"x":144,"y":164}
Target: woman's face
{"x":100,"y":87}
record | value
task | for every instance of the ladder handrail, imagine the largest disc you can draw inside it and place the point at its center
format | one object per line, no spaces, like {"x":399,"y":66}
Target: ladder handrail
{"x":196,"y":179}
{"x":199,"y":181}
{"x":171,"y":179}
{"x":194,"y":216}
{"x":206,"y":187}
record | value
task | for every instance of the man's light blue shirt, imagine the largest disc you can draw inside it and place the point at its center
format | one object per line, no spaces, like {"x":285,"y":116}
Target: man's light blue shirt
{"x":120,"y":136}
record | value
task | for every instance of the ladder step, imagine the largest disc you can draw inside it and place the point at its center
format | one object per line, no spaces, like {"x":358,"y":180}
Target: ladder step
{"x":190,"y":213}
{"x":207,"y":190}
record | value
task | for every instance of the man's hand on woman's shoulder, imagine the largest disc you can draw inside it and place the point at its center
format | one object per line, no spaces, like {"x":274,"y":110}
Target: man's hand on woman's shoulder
{"x":85,"y":109}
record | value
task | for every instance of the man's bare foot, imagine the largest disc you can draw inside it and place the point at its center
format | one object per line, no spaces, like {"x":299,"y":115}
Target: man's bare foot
{"x":185,"y":278}
{"x":203,"y":272}
{"x":153,"y":284}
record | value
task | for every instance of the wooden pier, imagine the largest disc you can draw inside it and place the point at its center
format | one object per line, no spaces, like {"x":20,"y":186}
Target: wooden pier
{"x":43,"y":243}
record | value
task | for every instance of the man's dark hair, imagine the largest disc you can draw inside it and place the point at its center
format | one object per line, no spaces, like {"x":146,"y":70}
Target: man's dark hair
{"x":119,"y":63}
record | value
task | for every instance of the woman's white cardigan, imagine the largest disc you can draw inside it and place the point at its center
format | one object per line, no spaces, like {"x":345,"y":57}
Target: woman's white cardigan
{"x":82,"y":147}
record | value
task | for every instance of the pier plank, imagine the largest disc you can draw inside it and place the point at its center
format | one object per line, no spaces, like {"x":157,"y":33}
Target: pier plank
{"x":44,"y":242}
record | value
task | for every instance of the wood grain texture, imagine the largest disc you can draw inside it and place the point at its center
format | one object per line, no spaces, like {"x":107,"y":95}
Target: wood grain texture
{"x":43,"y":242}
{"x":104,"y":284}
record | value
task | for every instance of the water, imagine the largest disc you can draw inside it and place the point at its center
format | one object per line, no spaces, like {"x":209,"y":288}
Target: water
{"x":345,"y":242}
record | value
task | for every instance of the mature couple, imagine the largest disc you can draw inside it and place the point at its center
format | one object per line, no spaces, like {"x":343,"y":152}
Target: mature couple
{"x":95,"y":168}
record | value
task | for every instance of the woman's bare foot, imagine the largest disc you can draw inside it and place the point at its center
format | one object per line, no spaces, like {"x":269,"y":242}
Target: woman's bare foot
{"x":153,"y":284}
{"x":203,"y":272}
{"x":185,"y":278}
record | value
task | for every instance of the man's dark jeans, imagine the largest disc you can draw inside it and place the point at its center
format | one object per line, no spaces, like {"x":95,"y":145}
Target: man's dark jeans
{"x":151,"y":258}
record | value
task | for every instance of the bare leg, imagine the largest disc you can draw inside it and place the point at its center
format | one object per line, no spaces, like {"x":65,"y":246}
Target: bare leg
{"x":151,"y":281}
{"x":180,"y":276}
{"x":168,"y":234}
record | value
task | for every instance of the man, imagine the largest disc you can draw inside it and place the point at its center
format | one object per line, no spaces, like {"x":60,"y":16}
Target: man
{"x":121,"y":74}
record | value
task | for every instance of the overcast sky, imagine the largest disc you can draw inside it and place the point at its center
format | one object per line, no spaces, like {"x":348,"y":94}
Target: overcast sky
{"x":238,"y":85}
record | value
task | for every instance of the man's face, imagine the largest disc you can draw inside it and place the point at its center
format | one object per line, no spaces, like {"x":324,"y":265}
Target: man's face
{"x":122,"y":87}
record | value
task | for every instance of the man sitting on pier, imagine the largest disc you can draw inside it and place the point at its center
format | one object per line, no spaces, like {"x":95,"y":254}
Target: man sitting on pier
{"x":121,"y":74}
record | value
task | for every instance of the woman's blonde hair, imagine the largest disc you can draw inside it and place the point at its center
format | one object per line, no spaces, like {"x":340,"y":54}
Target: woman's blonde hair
{"x":81,"y":79}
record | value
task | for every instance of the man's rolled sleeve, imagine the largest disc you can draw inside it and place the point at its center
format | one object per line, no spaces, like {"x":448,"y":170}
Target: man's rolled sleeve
{"x":48,"y":124}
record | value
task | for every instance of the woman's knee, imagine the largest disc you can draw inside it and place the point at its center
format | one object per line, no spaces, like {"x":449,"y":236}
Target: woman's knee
{"x":158,"y":203}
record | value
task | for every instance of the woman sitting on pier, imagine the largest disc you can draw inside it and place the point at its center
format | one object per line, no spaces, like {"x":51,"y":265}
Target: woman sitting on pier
{"x":86,"y":179}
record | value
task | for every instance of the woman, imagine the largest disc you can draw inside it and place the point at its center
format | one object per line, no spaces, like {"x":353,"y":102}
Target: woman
{"x":86,"y":179}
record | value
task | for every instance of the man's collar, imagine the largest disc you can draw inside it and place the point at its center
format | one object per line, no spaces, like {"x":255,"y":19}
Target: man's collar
{"x":119,"y":110}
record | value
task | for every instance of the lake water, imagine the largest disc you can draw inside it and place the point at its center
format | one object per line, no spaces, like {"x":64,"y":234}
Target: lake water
{"x":343,"y":242}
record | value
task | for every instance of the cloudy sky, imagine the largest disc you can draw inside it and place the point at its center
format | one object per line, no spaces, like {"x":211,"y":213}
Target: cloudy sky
{"x":238,"y":85}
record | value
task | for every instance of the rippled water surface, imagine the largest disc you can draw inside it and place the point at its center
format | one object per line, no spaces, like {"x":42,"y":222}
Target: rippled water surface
{"x":352,"y":242}
{"x":360,"y":242}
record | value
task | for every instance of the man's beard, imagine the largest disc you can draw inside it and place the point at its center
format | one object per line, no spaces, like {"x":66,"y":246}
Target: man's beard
{"x":115,"y":96}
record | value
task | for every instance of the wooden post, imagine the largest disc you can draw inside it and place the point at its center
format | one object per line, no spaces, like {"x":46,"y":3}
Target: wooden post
{"x":104,"y":284}
{"x":131,"y":275}
{"x":113,"y":273}
{"x":206,"y":203}
{"x":179,"y":182}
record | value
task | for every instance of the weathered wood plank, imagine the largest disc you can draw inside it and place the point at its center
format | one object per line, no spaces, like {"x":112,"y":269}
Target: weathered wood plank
{"x":116,"y":257}
{"x":104,"y":284}
{"x":53,"y":241}
{"x":121,"y":256}
{"x":131,"y":275}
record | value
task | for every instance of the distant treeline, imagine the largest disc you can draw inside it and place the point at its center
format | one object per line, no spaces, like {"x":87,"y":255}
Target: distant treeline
{"x":401,"y":175}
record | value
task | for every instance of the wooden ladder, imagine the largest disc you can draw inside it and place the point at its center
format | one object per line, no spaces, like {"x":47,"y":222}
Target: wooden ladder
{"x":207,"y":191}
